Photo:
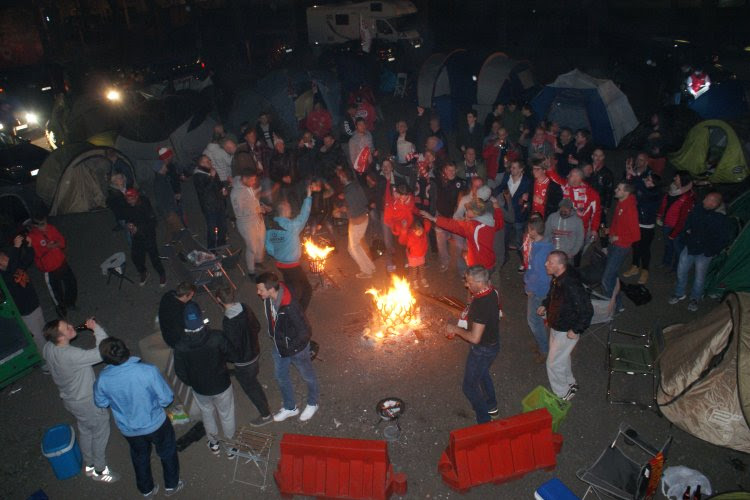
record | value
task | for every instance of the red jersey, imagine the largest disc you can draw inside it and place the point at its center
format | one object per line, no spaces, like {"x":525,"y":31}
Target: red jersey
{"x":417,"y":245}
{"x":479,"y":238}
{"x":540,"y":196}
{"x":47,"y":259}
{"x":398,"y":215}
{"x":585,"y":201}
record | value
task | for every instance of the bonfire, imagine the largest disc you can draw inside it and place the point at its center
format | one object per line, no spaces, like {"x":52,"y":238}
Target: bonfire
{"x":396,"y":309}
{"x":317,"y":256}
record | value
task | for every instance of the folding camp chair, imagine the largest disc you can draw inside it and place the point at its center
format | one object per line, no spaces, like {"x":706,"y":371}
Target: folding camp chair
{"x":252,"y":448}
{"x":637,"y":355}
{"x":628,"y":469}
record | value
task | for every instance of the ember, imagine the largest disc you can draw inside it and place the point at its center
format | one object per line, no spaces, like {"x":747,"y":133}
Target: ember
{"x":396,"y":307}
{"x":317,"y":256}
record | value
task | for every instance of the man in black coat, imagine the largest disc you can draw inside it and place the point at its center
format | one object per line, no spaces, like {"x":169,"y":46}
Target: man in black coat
{"x":569,"y":311}
{"x":290,"y":332}
{"x":212,"y":196}
{"x":200,"y":361}
{"x":140,"y":221}
{"x":241,"y":329}
{"x":172,"y":312}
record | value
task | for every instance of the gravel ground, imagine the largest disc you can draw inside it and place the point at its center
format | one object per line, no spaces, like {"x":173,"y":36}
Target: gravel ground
{"x":354,"y":374}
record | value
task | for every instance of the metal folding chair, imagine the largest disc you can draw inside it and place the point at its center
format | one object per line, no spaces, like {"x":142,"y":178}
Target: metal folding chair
{"x":632,"y":353}
{"x":254,"y":449}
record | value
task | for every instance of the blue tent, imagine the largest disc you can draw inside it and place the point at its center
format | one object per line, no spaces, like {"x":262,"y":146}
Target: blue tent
{"x":724,"y":100}
{"x":577,"y":100}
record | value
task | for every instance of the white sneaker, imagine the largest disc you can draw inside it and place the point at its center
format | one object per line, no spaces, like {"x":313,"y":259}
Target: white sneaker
{"x":89,"y":471}
{"x":283,"y":414}
{"x":106,"y":476}
{"x":308,"y":413}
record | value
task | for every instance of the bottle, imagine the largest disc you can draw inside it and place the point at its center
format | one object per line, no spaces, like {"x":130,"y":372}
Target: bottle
{"x":686,"y":495}
{"x":697,"y":495}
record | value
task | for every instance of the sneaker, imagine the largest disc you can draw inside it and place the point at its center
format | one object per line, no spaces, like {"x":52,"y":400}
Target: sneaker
{"x":89,"y":470}
{"x":168,"y":492}
{"x":214,"y":447}
{"x":572,"y":390}
{"x":232,"y":452}
{"x":105,"y":476}
{"x":693,"y":305}
{"x":283,"y":414}
{"x":442,"y":268}
{"x":521,"y":269}
{"x":308,"y":413}
{"x":144,"y":278}
{"x":494,"y":413}
{"x":415,"y":284}
{"x":425,"y":283}
{"x":260,"y":421}
{"x":162,"y":281}
{"x":631,"y":272}
{"x":364,"y":276}
{"x":153,"y":491}
{"x":675,"y":299}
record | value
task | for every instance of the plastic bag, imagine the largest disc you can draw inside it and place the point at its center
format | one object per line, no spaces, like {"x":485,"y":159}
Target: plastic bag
{"x":676,"y":480}
{"x":177,"y":414}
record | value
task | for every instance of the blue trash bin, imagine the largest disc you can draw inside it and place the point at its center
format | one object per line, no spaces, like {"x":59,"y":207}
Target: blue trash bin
{"x":60,"y":447}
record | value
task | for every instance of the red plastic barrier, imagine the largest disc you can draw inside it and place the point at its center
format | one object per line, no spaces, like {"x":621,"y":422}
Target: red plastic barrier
{"x":336,"y":468}
{"x":500,"y":451}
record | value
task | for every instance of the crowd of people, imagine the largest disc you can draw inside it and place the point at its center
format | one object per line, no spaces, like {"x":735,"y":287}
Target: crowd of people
{"x":509,"y":186}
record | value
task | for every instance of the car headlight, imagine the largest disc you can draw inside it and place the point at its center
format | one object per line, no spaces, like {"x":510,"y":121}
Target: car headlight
{"x":2,"y":126}
{"x":32,"y":118}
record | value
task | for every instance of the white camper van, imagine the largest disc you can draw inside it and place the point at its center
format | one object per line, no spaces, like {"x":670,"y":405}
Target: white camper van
{"x":388,"y":20}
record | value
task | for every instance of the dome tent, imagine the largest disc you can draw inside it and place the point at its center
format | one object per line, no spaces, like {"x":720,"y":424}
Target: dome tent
{"x":74,"y":178}
{"x":502,"y":79}
{"x":714,"y":142}
{"x":577,"y":100}
{"x":704,"y":385}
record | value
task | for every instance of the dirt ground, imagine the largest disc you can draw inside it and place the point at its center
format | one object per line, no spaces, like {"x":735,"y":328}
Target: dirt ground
{"x":354,"y":374}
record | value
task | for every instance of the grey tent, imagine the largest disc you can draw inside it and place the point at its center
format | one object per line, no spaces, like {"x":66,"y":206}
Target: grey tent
{"x":74,"y":178}
{"x":247,"y":105}
{"x":704,"y":385}
{"x":502,"y":79}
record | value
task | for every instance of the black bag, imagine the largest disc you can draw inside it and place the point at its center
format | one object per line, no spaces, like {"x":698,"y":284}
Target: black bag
{"x":638,"y":294}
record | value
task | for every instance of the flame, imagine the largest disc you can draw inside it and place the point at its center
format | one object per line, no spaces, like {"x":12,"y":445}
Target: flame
{"x":396,"y":306}
{"x":315,"y":252}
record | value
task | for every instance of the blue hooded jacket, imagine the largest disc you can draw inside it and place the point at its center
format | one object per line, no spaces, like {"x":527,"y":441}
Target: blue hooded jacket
{"x":283,"y":244}
{"x":535,"y":279}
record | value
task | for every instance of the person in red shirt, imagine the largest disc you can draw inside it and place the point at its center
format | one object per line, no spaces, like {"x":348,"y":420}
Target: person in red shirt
{"x":417,"y":244}
{"x":398,"y":215}
{"x":675,"y":207}
{"x":623,"y":232}
{"x":319,"y":121}
{"x":547,"y":194}
{"x":585,"y":200}
{"x":49,"y":257}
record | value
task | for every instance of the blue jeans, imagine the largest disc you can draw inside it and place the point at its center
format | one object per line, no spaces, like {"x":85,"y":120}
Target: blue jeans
{"x":166,"y":447}
{"x":701,"y":263}
{"x":514,"y":237}
{"x":304,"y":365}
{"x":478,"y":387}
{"x":216,"y":229}
{"x":672,"y":249}
{"x":615,"y":257}
{"x":536,"y":322}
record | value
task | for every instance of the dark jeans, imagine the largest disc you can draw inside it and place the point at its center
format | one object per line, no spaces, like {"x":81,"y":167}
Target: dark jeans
{"x":615,"y":257}
{"x":146,"y":244}
{"x":642,"y":248}
{"x":247,"y":376}
{"x":216,"y":229}
{"x":63,"y":285}
{"x":514,"y":237}
{"x":672,"y":250}
{"x":298,"y":283}
{"x":140,"y":453}
{"x":478,"y":387}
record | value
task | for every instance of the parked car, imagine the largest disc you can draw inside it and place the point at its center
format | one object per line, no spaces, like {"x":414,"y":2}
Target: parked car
{"x":20,"y":161}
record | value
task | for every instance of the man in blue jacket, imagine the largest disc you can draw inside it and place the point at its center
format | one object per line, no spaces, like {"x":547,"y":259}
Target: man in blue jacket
{"x":705,"y":234}
{"x":137,"y":394}
{"x":515,"y":189}
{"x":290,"y":331}
{"x":283,"y":244}
{"x":536,"y":284}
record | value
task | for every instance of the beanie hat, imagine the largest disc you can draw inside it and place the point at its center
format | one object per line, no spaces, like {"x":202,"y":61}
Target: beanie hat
{"x":484,"y":193}
{"x":566,"y":202}
{"x":165,"y":153}
{"x":193,"y":318}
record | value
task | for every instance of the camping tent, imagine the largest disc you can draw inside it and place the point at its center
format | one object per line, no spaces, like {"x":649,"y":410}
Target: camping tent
{"x":247,"y":105}
{"x":712,"y":142}
{"x":287,"y":90}
{"x":447,"y":84}
{"x":723,"y":101}
{"x":74,"y":178}
{"x":577,"y":100}
{"x":502,"y":79}
{"x":704,"y":385}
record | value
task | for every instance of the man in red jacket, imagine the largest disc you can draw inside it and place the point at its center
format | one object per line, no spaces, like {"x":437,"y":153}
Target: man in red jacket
{"x":49,"y":258}
{"x":623,"y":232}
{"x":585,"y":200}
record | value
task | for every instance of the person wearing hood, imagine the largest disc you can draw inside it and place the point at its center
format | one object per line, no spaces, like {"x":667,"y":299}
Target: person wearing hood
{"x":707,"y":232}
{"x":212,"y":194}
{"x":673,"y":213}
{"x":200,"y":361}
{"x":564,"y":229}
{"x":240,"y":327}
{"x":290,"y":333}
{"x":623,"y":232}
{"x":283,"y":244}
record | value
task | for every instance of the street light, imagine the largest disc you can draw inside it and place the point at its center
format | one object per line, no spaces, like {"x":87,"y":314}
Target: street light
{"x":113,"y":95}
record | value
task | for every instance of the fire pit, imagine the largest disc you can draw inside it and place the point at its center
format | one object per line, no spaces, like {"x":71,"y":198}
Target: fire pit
{"x":396,"y":306}
{"x":316,"y":256}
